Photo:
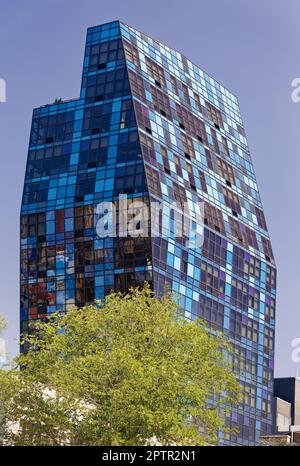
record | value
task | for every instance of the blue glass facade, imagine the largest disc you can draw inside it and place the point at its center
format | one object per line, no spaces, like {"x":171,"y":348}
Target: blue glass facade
{"x":152,"y":125}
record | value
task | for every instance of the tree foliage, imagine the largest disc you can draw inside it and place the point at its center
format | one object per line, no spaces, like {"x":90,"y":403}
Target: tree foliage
{"x":2,"y":341}
{"x":127,"y":371}
{"x":2,"y":323}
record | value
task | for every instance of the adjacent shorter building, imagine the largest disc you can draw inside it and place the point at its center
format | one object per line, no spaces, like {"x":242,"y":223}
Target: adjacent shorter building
{"x":287,"y":402}
{"x":282,"y":415}
{"x":286,"y":413}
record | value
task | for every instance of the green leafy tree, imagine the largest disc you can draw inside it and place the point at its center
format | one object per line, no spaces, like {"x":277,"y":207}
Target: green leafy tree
{"x":127,"y":371}
{"x":2,"y":323}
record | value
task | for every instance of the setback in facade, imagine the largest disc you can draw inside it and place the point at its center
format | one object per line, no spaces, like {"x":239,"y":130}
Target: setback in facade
{"x":151,"y":125}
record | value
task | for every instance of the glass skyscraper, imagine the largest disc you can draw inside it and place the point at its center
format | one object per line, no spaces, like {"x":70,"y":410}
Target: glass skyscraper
{"x":151,"y":125}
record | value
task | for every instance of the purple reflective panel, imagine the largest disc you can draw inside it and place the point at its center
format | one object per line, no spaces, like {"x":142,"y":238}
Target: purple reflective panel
{"x":234,"y":416}
{"x":145,"y":111}
{"x":246,"y":421}
{"x":245,"y":320}
{"x":222,"y":275}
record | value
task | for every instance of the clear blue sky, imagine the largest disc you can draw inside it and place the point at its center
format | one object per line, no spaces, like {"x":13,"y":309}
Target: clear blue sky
{"x":250,"y":46}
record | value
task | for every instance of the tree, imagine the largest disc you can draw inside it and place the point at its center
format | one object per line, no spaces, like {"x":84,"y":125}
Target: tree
{"x":127,"y":371}
{"x":2,"y":341}
{"x":2,"y":323}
